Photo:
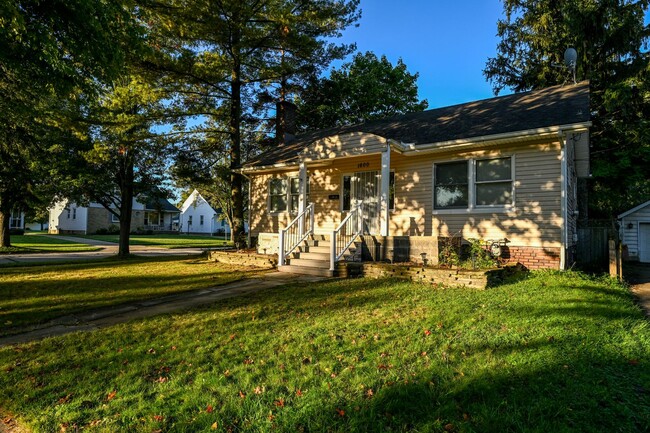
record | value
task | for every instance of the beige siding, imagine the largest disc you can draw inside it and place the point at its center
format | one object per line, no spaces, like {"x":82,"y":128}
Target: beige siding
{"x":535,"y":220}
{"x":338,"y":146}
{"x":630,"y":236}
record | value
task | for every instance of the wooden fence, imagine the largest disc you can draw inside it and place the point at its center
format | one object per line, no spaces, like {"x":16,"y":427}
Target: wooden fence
{"x":592,"y":250}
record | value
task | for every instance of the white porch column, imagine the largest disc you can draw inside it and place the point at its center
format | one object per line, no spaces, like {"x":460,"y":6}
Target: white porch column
{"x":384,"y":192}
{"x":302,"y":185}
{"x":302,"y":195}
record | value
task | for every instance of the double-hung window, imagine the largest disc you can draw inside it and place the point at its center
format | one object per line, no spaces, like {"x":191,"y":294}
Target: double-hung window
{"x":474,"y":183}
{"x":451,"y":190}
{"x":284,"y":194}
{"x":493,"y":182}
{"x":278,"y":195}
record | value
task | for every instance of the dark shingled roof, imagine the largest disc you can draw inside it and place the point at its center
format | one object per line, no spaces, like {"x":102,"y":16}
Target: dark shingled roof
{"x":553,"y":106}
{"x":161,"y":205}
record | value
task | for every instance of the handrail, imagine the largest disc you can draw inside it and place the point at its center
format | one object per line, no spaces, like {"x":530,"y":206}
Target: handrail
{"x":347,"y":231}
{"x":295,"y":233}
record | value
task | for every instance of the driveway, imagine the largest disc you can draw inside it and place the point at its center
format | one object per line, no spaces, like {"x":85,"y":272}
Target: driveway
{"x":638,"y":275}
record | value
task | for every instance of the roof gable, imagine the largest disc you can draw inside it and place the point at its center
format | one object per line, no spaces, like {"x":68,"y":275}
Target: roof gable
{"x":634,"y":209}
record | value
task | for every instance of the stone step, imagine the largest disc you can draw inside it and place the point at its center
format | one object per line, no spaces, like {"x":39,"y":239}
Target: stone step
{"x":316,"y":249}
{"x":303,"y":270}
{"x":324,"y":264}
{"x":325,"y":256}
{"x":317,"y":243}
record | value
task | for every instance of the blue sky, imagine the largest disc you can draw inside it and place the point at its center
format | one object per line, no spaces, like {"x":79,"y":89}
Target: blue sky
{"x":446,"y":41}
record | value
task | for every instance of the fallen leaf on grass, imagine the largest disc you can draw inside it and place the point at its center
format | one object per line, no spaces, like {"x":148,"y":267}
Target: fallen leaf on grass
{"x":158,"y":418}
{"x":258,"y":390}
{"x":427,"y":332}
{"x":242,"y":395}
{"x":341,"y":412}
{"x":111,"y":395}
{"x":449,"y":427}
{"x":214,"y":426}
{"x":279,"y":403}
{"x":299,"y":393}
{"x":209,"y":409}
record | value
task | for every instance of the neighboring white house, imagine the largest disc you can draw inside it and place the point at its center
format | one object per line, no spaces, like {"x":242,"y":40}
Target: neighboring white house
{"x":635,"y":232}
{"x":16,"y":220}
{"x":199,"y":217}
{"x":156,"y":216}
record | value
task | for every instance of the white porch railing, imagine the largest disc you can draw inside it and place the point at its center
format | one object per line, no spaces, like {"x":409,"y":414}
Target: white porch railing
{"x":345,"y":234}
{"x":296,"y":232}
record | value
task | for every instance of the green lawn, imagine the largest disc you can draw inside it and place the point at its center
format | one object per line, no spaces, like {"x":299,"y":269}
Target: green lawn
{"x":166,"y":241}
{"x":552,"y":353}
{"x":38,"y":243}
{"x":32,"y":294}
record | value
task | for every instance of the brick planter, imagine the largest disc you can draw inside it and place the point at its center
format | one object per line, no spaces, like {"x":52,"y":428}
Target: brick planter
{"x":244,"y":259}
{"x":439,"y":276}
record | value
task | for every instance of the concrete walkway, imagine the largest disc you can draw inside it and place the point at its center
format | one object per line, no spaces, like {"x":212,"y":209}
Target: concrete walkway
{"x":638,"y":275}
{"x":100,"y":318}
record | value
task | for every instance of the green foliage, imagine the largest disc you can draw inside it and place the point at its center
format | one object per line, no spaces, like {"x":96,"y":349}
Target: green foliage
{"x":364,"y":89}
{"x":479,"y":257}
{"x":449,"y":251}
{"x":611,"y":38}
{"x":557,"y":352}
{"x":221,"y":56}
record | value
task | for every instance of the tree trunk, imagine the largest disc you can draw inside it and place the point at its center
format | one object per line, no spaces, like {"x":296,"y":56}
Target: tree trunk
{"x":126,"y":204}
{"x":5,"y":240}
{"x":236,"y":193}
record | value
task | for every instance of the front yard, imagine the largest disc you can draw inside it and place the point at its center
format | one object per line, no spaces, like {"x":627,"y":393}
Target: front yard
{"x":39,"y":243}
{"x":166,"y":241}
{"x":552,"y":353}
{"x":34,"y":294}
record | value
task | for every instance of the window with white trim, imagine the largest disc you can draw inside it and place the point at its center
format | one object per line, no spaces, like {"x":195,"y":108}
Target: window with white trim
{"x":278,"y":195}
{"x":115,"y":218}
{"x":284,"y":194}
{"x":201,"y":220}
{"x":451,"y":185}
{"x":493,"y":182}
{"x":473,"y":183}
{"x":74,"y":213}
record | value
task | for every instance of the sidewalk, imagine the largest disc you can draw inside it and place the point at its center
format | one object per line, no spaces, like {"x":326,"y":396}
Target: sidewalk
{"x":96,"y":319}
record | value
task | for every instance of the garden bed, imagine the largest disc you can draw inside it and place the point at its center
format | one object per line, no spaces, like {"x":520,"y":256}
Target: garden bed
{"x":246,"y":258}
{"x":479,"y":279}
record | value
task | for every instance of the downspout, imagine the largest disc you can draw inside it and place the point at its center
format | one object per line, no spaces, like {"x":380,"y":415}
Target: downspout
{"x":564,"y":201}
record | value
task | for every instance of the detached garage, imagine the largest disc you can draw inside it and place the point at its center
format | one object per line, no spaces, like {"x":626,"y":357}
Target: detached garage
{"x":635,"y":232}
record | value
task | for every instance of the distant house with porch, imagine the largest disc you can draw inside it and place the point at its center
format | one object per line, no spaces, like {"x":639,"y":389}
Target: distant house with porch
{"x":155,"y":216}
{"x":500,"y":168}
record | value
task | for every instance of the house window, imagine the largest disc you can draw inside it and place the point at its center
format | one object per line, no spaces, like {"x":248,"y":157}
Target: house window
{"x":451,"y":186}
{"x":294,"y":194}
{"x":201,"y":220}
{"x":14,"y":219}
{"x":68,"y":209}
{"x":115,"y":218}
{"x":223,"y":223}
{"x":493,"y":182}
{"x":189,"y":220}
{"x":278,"y":195}
{"x":346,"y":200}
{"x":74,"y":213}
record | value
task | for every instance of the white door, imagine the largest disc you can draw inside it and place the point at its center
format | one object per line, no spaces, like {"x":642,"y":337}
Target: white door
{"x":644,"y":242}
{"x":366,"y":191}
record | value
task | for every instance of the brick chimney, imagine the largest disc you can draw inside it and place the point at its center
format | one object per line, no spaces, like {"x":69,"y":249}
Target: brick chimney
{"x":285,"y":122}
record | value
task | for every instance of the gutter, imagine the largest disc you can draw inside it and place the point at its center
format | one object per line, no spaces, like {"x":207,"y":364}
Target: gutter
{"x":411,"y":149}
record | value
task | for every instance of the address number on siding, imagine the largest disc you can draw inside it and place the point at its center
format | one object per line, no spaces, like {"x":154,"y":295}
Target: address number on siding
{"x":363,"y":165}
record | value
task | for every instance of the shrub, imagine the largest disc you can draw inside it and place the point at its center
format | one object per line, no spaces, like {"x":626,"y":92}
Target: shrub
{"x":102,"y":231}
{"x":16,"y":232}
{"x":113,"y":229}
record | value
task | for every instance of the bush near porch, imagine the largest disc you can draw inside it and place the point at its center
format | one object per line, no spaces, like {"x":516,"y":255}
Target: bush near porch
{"x":554,"y":352}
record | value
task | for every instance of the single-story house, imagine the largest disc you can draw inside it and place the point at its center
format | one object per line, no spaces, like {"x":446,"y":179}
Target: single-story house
{"x":635,"y":232}
{"x":157,"y":216}
{"x":199,"y":217}
{"x":501,"y":168}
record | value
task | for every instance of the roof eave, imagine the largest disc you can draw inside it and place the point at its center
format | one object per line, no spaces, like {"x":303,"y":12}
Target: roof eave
{"x":494,"y":139}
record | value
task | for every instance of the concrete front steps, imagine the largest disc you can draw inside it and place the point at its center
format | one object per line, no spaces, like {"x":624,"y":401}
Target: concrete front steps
{"x":313,"y":257}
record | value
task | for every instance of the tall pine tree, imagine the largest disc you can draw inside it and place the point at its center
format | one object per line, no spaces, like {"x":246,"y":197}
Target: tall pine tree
{"x":612,"y":42}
